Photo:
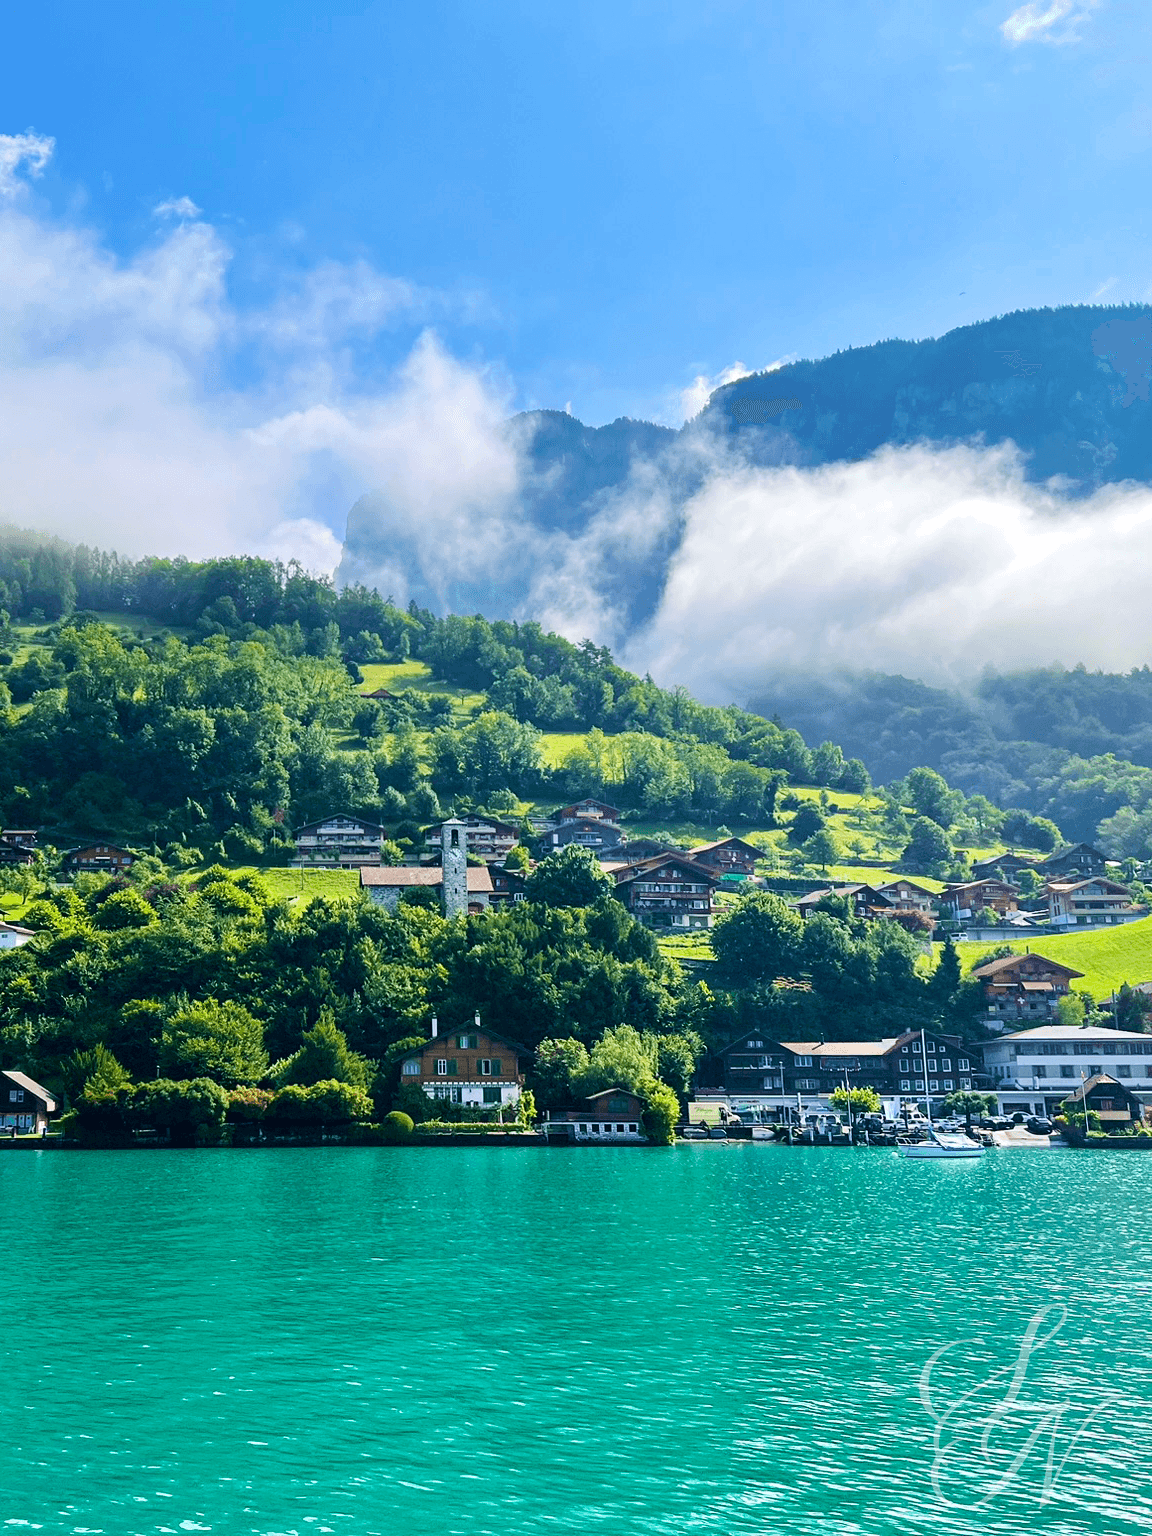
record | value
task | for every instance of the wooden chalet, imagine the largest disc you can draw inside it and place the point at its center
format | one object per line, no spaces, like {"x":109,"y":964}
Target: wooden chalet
{"x":24,"y":1105}
{"x":1078,"y":858}
{"x":1116,"y":1105}
{"x":595,"y":834}
{"x":906,"y":894}
{"x":863,"y":900}
{"x":727,"y":856}
{"x":1020,"y":987}
{"x":339,"y":841}
{"x":471,"y":1065}
{"x":589,"y":810}
{"x":507,"y":886}
{"x":17,"y":845}
{"x":755,"y":1066}
{"x":1003,"y":866}
{"x":667,"y":891}
{"x":961,"y":902}
{"x":490,"y":840}
{"x":105,"y":858}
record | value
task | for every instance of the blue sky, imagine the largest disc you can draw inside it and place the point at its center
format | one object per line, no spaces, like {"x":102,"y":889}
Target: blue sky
{"x":601,"y":203}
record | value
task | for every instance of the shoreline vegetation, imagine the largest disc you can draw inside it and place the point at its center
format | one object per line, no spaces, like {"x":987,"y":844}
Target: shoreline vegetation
{"x":195,"y":713}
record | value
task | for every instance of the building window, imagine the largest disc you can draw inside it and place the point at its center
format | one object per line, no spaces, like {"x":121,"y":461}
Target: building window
{"x":1124,"y":1070}
{"x":915,"y":1047}
{"x":620,"y":1128}
{"x":632,"y":1128}
{"x":441,"y":1067}
{"x":583,"y":1130}
{"x":803,"y":1061}
{"x":933,"y":1085}
{"x":411,"y":1069}
{"x":491,"y":1095}
{"x":947,"y":1085}
{"x":16,"y":1096}
{"x":1068,"y":1071}
{"x":905,"y":1085}
{"x":919,"y":1081}
{"x":965,"y":1083}
{"x":963,"y":1063}
{"x":809,"y":1084}
{"x":945,"y":1065}
{"x":467,"y":1042}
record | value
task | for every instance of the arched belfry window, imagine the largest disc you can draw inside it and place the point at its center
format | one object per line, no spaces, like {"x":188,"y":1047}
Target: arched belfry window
{"x":455,"y":838}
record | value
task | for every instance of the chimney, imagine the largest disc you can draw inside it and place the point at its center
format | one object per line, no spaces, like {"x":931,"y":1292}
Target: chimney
{"x":435,"y":1027}
{"x":477,"y":1020}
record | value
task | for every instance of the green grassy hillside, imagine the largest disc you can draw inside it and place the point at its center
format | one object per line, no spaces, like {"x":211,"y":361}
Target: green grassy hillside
{"x":1109,"y":957}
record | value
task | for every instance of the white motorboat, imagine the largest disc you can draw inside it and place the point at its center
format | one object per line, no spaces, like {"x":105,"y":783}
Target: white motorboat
{"x":943,"y":1144}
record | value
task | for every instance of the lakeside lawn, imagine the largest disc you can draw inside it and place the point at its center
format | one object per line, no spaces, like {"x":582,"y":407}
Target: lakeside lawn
{"x":300,"y":886}
{"x":1108,"y":957}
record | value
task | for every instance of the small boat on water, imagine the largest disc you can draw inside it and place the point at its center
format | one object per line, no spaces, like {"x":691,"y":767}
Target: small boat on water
{"x":943,"y":1144}
{"x":940,"y":1143}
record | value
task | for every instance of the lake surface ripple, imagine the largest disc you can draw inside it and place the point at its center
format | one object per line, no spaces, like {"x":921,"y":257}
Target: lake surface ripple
{"x":706,"y":1338}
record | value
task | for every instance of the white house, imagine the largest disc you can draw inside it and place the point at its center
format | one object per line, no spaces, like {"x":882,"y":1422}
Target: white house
{"x":1035,"y":1069}
{"x":1090,"y":903}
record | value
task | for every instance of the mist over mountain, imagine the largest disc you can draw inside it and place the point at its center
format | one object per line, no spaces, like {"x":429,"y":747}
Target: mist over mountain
{"x":916,"y":509}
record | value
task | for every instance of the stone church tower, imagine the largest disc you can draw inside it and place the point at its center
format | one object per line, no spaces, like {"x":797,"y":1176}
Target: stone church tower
{"x":454,"y":858}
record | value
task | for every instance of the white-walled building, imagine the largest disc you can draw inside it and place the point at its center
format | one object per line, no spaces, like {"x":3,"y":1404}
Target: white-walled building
{"x":1035,"y":1069}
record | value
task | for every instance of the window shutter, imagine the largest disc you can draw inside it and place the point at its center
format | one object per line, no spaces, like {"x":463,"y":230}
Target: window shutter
{"x":452,"y":1067}
{"x":495,"y":1066}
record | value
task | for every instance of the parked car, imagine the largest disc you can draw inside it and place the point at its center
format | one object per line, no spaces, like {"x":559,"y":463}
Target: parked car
{"x":1038,"y":1125}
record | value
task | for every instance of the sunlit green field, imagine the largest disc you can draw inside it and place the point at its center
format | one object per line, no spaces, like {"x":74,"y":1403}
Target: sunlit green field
{"x":1108,"y":957}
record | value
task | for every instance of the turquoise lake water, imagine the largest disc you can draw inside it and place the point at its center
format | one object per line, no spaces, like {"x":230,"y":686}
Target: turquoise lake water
{"x":706,"y":1338}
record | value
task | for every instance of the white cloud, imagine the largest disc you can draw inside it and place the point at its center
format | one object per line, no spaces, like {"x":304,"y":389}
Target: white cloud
{"x":1039,"y":22}
{"x":118,"y":424}
{"x":696,"y":396}
{"x":32,"y":151}
{"x":932,"y":563}
{"x":178,"y":208}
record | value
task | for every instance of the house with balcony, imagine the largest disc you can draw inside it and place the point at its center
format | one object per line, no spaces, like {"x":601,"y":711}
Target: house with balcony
{"x":727,"y":856}
{"x":1035,"y":1070}
{"x":17,"y":845}
{"x":489,"y":840}
{"x":907,"y":896}
{"x":1092,"y":903}
{"x":1077,"y":859}
{"x":766,"y":1077}
{"x":1004,"y":866}
{"x":589,"y":810}
{"x":100,"y":858}
{"x":470,"y":1065}
{"x":1023,"y":989}
{"x":960,"y":903}
{"x":668,"y":891}
{"x":600,"y":836}
{"x":864,"y":901}
{"x":339,"y":841}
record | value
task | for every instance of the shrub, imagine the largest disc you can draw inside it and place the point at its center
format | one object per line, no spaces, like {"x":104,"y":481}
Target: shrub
{"x":248,"y":1103}
{"x":397,"y":1127}
{"x":661,"y":1114}
{"x":191,"y":1112}
{"x":320,"y":1102}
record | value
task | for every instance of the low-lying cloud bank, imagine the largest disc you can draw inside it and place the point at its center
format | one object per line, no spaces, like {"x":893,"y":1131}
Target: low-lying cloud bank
{"x":929,"y":562}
